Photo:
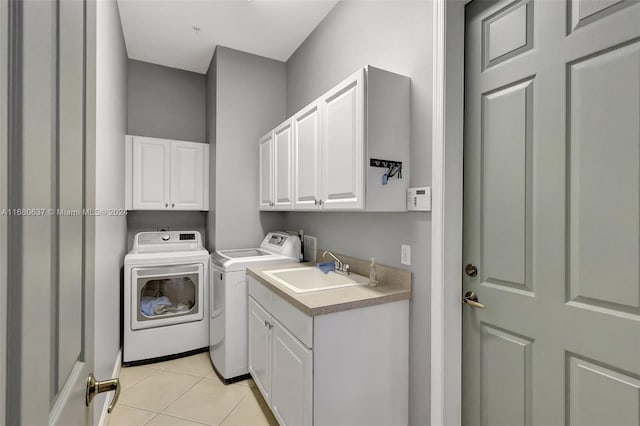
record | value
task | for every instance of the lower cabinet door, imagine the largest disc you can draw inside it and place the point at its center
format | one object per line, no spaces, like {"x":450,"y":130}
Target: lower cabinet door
{"x":260,"y":348}
{"x":291,"y":379}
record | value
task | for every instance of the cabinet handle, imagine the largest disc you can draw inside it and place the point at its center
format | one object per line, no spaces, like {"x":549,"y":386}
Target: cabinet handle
{"x":320,"y":202}
{"x":266,"y":323}
{"x":173,"y":205}
{"x":166,"y":205}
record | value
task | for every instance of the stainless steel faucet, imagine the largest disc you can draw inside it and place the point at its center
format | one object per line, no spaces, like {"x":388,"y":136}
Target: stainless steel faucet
{"x":341,"y":267}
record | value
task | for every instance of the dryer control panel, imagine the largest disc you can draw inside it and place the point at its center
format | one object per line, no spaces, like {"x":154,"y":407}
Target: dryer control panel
{"x":150,"y":242}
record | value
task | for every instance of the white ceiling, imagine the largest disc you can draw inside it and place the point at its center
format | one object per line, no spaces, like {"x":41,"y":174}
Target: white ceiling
{"x":161,"y":31}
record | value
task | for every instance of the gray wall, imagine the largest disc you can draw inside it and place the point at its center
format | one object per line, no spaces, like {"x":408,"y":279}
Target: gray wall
{"x":395,"y":36}
{"x":166,"y":103}
{"x":211,"y":138}
{"x":250,"y":101}
{"x":139,"y":221}
{"x":110,"y":231}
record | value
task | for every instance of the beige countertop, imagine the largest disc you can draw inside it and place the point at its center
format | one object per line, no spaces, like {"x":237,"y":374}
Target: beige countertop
{"x":394,"y":285}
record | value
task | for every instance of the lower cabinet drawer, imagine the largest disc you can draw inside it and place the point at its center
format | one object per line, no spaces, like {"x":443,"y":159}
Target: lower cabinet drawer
{"x":259,"y":292}
{"x":294,"y":320}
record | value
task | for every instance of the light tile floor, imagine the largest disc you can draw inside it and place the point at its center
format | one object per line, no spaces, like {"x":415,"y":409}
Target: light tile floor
{"x":186,"y":392}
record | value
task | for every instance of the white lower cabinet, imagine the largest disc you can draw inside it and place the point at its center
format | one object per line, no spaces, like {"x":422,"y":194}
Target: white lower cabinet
{"x":260,"y":348}
{"x":291,"y":378}
{"x":345,"y":368}
{"x":281,"y":366}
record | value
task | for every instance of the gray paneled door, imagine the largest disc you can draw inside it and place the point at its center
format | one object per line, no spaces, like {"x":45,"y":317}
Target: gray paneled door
{"x":552,"y":213}
{"x":49,"y":240}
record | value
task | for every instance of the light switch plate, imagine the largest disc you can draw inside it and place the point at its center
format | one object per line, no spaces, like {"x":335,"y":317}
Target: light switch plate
{"x":405,"y":254}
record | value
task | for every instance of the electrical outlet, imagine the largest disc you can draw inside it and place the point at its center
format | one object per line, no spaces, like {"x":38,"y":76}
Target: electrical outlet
{"x":405,"y":254}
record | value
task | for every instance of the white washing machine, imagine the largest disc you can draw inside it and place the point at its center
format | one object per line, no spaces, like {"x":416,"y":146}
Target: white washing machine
{"x":228,"y":282}
{"x":166,"y":309}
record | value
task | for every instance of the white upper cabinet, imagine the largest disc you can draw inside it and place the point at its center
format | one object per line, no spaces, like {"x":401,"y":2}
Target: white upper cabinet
{"x":266,"y":172}
{"x":335,"y":142}
{"x":163,"y":174}
{"x":150,"y":174}
{"x":282,"y":166}
{"x":187,"y":175}
{"x":306,"y":148}
{"x":342,"y":110}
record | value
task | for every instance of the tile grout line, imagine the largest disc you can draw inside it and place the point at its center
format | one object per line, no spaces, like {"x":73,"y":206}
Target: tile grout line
{"x":136,"y":408}
{"x":177,"y":418}
{"x":172,"y":401}
{"x":180,"y":396}
{"x":144,"y":378}
{"x":234,"y":407}
{"x":151,"y":419}
{"x":161,"y":412}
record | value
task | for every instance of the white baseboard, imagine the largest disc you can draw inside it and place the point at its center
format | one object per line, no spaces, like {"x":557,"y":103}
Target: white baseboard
{"x":116,"y":373}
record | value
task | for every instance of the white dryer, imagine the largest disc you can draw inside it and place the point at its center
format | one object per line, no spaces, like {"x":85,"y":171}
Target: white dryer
{"x":166,"y":309}
{"x":228,"y":282}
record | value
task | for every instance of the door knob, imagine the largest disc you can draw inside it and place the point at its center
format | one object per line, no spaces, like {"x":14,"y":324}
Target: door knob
{"x":471,"y":299}
{"x":471,"y":270}
{"x":95,"y":387}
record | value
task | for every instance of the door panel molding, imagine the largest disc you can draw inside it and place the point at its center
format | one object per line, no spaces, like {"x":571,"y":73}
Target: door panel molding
{"x":506,"y":357}
{"x":14,"y":200}
{"x":506,"y":186}
{"x":603,"y":247}
{"x":577,"y":17}
{"x":584,"y":406}
{"x":4,"y":165}
{"x":499,"y":44}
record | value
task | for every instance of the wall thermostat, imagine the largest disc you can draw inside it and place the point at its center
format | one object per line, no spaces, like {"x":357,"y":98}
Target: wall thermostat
{"x":419,"y":199}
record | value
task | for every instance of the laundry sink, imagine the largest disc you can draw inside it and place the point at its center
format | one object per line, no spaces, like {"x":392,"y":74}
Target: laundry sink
{"x":307,"y":279}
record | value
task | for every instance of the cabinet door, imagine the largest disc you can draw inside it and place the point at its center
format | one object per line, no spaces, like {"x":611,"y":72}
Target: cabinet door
{"x":291,"y":379}
{"x":260,"y":348}
{"x":342,"y":112}
{"x":150,"y":173}
{"x":282,"y":167}
{"x":266,"y":172}
{"x":306,"y":148}
{"x":187,"y":176}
